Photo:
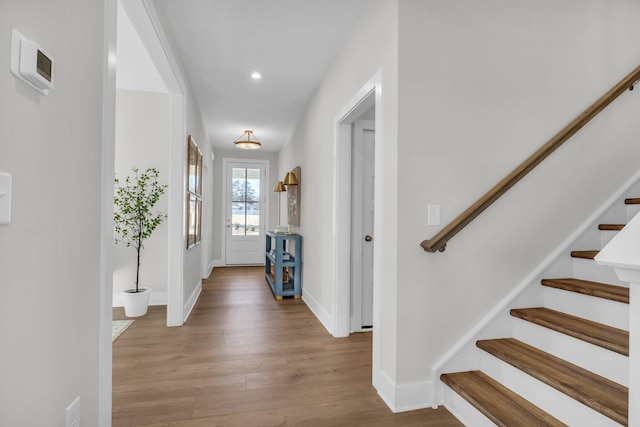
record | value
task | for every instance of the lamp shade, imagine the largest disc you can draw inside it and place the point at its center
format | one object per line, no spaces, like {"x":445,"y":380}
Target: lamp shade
{"x":247,"y":143}
{"x":279,"y":188}
{"x":290,"y":179}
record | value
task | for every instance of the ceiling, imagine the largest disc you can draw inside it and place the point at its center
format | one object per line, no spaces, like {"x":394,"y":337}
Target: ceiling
{"x":290,"y":42}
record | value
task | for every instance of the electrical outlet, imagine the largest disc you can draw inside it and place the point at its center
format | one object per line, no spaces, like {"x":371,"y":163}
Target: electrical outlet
{"x":73,"y":413}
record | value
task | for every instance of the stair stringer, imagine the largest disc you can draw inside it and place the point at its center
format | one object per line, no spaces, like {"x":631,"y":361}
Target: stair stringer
{"x":464,"y":355}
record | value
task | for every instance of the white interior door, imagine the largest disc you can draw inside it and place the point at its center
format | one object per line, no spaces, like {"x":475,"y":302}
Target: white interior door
{"x":368,"y":209}
{"x":245,"y":213}
{"x":363,"y":208}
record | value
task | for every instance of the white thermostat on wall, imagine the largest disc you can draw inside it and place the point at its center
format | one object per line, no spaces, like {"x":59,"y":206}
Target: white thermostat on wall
{"x":31,"y":64}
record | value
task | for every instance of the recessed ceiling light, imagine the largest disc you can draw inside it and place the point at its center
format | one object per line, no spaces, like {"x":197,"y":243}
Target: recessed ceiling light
{"x":256,"y":75}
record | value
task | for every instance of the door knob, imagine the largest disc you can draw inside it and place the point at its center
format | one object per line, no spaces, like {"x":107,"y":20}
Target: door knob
{"x":368,"y":238}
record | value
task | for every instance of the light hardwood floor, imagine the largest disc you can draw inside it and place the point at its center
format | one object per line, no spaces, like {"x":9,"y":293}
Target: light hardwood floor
{"x":245,"y":359}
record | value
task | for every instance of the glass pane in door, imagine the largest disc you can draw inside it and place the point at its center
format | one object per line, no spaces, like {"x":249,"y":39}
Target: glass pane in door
{"x":245,"y":203}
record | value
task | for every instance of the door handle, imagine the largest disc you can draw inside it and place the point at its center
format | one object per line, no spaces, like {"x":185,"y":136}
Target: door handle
{"x":368,"y":238}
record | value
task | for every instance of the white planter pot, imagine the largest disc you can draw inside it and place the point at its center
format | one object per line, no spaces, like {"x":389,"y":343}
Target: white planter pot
{"x":136,"y":303}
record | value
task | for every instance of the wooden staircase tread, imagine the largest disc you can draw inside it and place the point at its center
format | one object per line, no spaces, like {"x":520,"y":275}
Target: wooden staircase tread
{"x":599,"y":393}
{"x":586,"y":287}
{"x":632,"y":201}
{"x":584,"y":254}
{"x":501,"y":405}
{"x":605,"y":336}
{"x":611,"y":227}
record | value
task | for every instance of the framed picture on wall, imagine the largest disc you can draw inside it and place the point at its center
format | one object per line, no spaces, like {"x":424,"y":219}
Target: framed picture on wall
{"x":192,"y":168}
{"x":293,"y":200}
{"x":191,"y":220}
{"x":199,"y":220}
{"x":194,"y":194}
{"x":199,"y":173}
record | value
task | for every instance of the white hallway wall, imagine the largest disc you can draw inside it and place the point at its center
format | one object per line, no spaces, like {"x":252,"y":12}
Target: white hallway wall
{"x":50,"y":252}
{"x":470,"y":90}
{"x":371,"y":46}
{"x":484,"y":85}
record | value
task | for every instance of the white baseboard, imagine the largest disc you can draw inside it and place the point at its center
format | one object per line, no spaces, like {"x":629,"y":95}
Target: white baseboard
{"x":209,"y":269}
{"x":322,"y":315}
{"x":218,"y":263}
{"x":386,"y":389}
{"x":157,"y":298}
{"x":405,"y":397}
{"x":191,"y":302}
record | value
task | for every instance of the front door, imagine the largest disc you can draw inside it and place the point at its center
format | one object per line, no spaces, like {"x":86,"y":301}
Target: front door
{"x":245,"y":213}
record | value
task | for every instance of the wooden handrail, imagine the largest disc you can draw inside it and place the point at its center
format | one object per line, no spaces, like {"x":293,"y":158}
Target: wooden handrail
{"x":439,"y":241}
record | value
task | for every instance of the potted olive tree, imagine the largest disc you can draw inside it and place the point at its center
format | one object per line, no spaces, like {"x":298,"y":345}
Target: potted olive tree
{"x":134,"y":222}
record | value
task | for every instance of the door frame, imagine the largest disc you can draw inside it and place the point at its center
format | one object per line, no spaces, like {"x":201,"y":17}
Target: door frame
{"x":369,"y":95}
{"x":105,"y":353}
{"x":147,"y":23}
{"x":225,"y":193}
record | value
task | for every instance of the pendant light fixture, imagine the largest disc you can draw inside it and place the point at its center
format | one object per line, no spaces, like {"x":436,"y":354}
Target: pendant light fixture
{"x":247,"y":143}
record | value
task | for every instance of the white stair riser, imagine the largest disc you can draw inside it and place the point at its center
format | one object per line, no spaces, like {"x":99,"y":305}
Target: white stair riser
{"x":467,"y":358}
{"x":598,"y":360}
{"x":606,"y":236}
{"x":550,"y":400}
{"x":632,"y":210}
{"x":616,"y":214}
{"x":465,"y":412}
{"x":589,"y":239}
{"x":599,"y":310}
{"x":587,"y":269}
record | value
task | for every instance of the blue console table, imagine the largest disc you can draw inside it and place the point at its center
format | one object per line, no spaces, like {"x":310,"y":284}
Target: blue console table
{"x":280,"y":253}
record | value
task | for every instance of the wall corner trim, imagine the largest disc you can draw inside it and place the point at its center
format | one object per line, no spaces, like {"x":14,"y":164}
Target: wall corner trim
{"x":191,"y":302}
{"x":210,"y":268}
{"x":322,"y":315}
{"x":405,"y":397}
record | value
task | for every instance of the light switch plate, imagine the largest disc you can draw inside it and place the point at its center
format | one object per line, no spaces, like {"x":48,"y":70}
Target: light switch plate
{"x":5,"y":198}
{"x":433,"y":215}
